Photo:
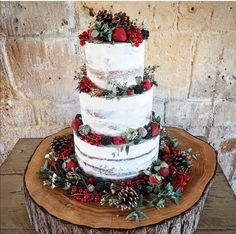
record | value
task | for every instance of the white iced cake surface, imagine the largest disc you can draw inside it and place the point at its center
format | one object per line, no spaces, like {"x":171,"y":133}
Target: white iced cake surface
{"x":114,"y":63}
{"x":112,"y":117}
{"x":109,"y":64}
{"x":110,"y":162}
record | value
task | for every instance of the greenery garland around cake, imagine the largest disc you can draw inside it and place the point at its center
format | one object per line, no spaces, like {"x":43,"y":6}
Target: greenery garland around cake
{"x":143,"y":84}
{"x":118,"y":27}
{"x":157,"y":186}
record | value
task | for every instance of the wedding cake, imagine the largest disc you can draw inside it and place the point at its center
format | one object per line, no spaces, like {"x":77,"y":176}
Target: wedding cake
{"x":117,"y":134}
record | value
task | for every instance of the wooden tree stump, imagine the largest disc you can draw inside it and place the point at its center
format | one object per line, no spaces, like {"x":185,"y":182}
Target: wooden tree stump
{"x":50,"y":211}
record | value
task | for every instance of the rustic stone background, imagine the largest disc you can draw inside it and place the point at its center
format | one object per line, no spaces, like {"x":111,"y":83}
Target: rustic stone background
{"x":193,"y":43}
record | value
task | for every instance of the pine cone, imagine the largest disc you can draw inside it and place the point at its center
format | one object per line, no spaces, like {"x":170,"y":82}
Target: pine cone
{"x":104,"y":17}
{"x":59,"y":143}
{"x":73,"y":177}
{"x":121,"y":20}
{"x":127,"y":198}
{"x":182,"y":162}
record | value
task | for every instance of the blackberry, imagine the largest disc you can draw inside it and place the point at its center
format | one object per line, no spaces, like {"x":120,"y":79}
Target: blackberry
{"x":100,"y":186}
{"x":78,"y":116}
{"x":145,"y":34}
{"x":138,"y":89}
{"x":106,"y":140}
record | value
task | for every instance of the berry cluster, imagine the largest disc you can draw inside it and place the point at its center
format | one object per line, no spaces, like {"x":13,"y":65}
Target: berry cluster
{"x":92,"y":138}
{"x":83,"y":37}
{"x":135,"y":36}
{"x":86,"y":85}
{"x":84,"y":195}
{"x":136,"y":181}
{"x":67,"y":151}
{"x":117,"y":28}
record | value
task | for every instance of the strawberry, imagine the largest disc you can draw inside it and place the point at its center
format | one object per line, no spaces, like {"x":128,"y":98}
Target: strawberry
{"x":146,"y":84}
{"x":119,"y":35}
{"x":75,"y":124}
{"x":164,"y":171}
{"x":90,"y":37}
{"x":154,"y":180}
{"x":155,"y":128}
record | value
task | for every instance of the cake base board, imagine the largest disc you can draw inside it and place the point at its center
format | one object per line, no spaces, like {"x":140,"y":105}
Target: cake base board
{"x":50,"y":211}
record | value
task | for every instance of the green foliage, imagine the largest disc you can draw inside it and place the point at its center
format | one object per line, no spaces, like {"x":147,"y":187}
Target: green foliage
{"x":103,"y":30}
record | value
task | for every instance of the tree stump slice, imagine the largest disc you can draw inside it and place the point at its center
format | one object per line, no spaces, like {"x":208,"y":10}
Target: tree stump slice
{"x":50,"y":211}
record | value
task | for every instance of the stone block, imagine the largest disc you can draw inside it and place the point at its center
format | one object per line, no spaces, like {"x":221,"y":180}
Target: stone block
{"x":16,"y":113}
{"x":187,"y":114}
{"x":225,"y":113}
{"x":59,"y":114}
{"x":45,"y":68}
{"x":214,"y":66}
{"x":159,"y":16}
{"x":37,"y":18}
{"x":172,"y":52}
{"x":159,"y":108}
{"x":5,"y":88}
{"x":194,"y":16}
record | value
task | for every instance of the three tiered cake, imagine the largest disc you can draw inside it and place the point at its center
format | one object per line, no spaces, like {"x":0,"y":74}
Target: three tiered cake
{"x":109,"y":65}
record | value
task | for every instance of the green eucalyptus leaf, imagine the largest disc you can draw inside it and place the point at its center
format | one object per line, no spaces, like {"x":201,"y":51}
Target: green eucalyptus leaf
{"x":95,"y":33}
{"x":127,"y":149}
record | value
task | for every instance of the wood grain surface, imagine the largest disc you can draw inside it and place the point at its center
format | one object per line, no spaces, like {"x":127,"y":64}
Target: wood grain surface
{"x":67,"y":209}
{"x":218,"y":216}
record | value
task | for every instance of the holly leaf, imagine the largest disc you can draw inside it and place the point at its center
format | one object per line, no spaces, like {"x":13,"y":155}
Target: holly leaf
{"x":137,"y":140}
{"x":148,"y":203}
{"x":138,"y":79}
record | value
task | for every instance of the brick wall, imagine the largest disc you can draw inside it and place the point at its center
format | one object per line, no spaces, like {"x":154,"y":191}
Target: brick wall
{"x":192,"y":42}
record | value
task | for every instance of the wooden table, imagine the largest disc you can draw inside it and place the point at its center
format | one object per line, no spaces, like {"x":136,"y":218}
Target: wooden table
{"x":219,"y":214}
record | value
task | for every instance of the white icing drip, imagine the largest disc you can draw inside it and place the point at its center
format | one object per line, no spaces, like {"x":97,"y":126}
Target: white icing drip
{"x":120,"y":166}
{"x":114,"y":117}
{"x":120,"y":62}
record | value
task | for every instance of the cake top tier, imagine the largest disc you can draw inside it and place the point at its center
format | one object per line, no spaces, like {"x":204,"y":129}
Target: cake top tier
{"x":113,"y":28}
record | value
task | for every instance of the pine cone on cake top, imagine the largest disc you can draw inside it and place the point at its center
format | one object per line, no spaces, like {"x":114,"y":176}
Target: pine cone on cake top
{"x":120,"y":19}
{"x":104,"y":17}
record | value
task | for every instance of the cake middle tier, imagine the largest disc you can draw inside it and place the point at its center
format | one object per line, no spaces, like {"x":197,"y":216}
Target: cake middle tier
{"x":112,"y":117}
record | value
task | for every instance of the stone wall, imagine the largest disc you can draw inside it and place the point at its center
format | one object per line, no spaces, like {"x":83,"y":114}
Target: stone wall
{"x":192,"y":42}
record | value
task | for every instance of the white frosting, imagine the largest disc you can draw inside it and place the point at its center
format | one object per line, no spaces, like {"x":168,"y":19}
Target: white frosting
{"x":119,"y":62}
{"x":112,"y":117}
{"x":110,"y":162}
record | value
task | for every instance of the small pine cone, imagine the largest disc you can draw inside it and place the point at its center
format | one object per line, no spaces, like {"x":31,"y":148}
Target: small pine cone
{"x":59,"y":144}
{"x":104,"y":17}
{"x":121,"y":20}
{"x":73,"y":177}
{"x":182,"y":162}
{"x":127,"y":198}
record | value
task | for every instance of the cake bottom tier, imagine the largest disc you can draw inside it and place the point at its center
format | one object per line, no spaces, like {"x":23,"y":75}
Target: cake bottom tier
{"x":111,"y":162}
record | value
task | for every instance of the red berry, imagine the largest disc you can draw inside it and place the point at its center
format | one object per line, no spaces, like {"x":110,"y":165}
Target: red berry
{"x":75,"y":124}
{"x":84,"y":200}
{"x":118,"y":140}
{"x":119,"y":35}
{"x":82,"y":42}
{"x":146,"y":84}
{"x":74,"y":190}
{"x":81,"y":190}
{"x":97,"y":198}
{"x":154,"y":180}
{"x":122,"y":184}
{"x":164,"y":171}
{"x":90,"y":180}
{"x":129,"y":92}
{"x":129,"y":182}
{"x":155,"y":128}
{"x":86,"y":196}
{"x":85,"y":191}
{"x":78,"y":197}
{"x":71,"y":165}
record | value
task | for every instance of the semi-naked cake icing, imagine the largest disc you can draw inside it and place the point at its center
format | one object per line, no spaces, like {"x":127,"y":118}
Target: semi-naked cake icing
{"x":107,"y":64}
{"x":114,"y":63}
